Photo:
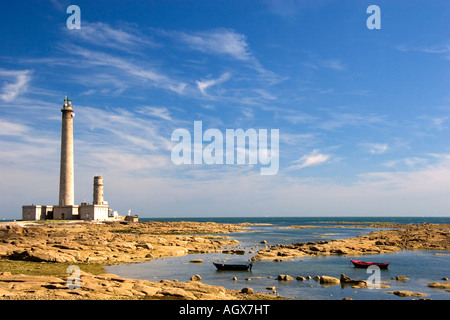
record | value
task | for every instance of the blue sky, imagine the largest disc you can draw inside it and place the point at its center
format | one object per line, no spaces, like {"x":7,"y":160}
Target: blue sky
{"x":363,"y":115}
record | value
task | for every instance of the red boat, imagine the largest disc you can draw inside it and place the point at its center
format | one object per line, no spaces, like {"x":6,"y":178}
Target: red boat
{"x":363,"y":264}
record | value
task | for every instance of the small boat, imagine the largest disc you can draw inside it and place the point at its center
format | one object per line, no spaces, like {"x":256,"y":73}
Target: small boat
{"x":234,"y":267}
{"x":364,"y":264}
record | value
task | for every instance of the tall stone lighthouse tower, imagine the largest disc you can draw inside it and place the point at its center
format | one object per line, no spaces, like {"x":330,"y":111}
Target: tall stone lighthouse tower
{"x":66,"y":178}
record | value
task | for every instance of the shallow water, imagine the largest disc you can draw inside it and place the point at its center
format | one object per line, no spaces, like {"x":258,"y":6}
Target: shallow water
{"x":421,"y":267}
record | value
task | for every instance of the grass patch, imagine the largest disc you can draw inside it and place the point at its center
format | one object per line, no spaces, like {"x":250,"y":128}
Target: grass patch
{"x":46,"y":268}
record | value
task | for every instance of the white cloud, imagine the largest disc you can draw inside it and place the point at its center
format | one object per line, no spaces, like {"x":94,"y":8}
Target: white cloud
{"x":11,"y":90}
{"x":339,"y":120}
{"x":438,"y":123}
{"x":103,"y":35}
{"x":12,"y":129}
{"x":311,"y":159}
{"x":97,"y":58}
{"x":317,"y":63}
{"x":121,"y":128}
{"x":205,"y":84}
{"x":411,"y":162}
{"x":218,"y":41}
{"x":436,"y":49}
{"x":335,"y":64}
{"x":158,"y":112}
{"x":376,"y":148}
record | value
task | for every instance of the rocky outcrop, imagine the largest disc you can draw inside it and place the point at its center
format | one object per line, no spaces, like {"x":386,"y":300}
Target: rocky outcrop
{"x":405,"y":293}
{"x":357,"y":284}
{"x":439,"y":285}
{"x":326,"y":280}
{"x":110,"y":286}
{"x":81,"y":243}
{"x":402,"y":237}
{"x":110,"y":243}
{"x":284,"y":277}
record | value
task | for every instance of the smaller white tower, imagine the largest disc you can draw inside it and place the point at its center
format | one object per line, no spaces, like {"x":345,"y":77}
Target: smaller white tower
{"x":98,"y":190}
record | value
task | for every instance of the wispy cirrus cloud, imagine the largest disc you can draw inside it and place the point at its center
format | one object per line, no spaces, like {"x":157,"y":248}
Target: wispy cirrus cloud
{"x":339,"y":120}
{"x":218,"y":41}
{"x":319,"y":63}
{"x":144,"y":73}
{"x":335,"y":64}
{"x":205,"y":84}
{"x":411,"y":162}
{"x":8,"y":128}
{"x":123,"y":128}
{"x":435,"y":49}
{"x":226,"y":43}
{"x":312,"y":159}
{"x":124,"y":38}
{"x":376,"y":148}
{"x":157,"y":112}
{"x":18,"y":85}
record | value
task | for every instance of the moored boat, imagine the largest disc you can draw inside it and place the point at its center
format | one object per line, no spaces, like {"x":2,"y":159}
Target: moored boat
{"x":364,"y":264}
{"x":233,"y":266}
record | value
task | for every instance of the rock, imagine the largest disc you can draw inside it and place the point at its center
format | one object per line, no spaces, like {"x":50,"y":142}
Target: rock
{"x":439,"y":285}
{"x":329,"y":280}
{"x":196,"y":277}
{"x":234,"y":278}
{"x":401,"y":278}
{"x":418,"y":294}
{"x":147,"y":246}
{"x":405,"y":293}
{"x":247,"y":290}
{"x":340,"y":251}
{"x":40,"y":255}
{"x":357,"y":284}
{"x":300,"y":278}
{"x":445,"y":279}
{"x":401,"y":293}
{"x":317,"y":278}
{"x":284,"y":277}
{"x":263,"y":242}
{"x":196,"y":261}
{"x":178,"y":293}
{"x":273,"y":288}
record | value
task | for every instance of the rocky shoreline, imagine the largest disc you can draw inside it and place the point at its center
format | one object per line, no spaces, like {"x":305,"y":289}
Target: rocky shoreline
{"x":397,"y":237}
{"x":83,"y":244}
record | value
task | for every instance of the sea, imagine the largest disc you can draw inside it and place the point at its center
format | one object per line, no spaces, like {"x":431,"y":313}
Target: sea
{"x":420,"y":267}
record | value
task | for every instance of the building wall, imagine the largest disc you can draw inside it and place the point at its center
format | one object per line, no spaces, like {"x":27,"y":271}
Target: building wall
{"x":65,"y":213}
{"x":94,"y":212}
{"x":31,"y":213}
{"x":36,"y":212}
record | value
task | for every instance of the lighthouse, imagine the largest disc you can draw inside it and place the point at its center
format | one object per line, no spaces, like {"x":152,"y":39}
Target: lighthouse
{"x":66,"y":208}
{"x":66,"y":176}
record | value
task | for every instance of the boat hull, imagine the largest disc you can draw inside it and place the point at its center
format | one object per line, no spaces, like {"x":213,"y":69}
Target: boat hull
{"x":364,"y":264}
{"x":233,"y":267}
